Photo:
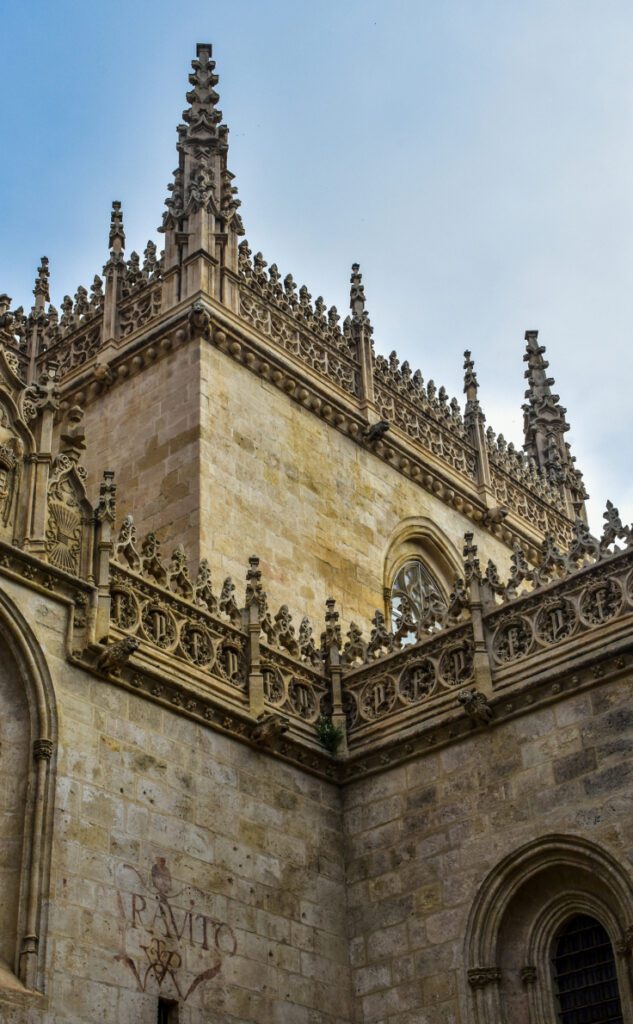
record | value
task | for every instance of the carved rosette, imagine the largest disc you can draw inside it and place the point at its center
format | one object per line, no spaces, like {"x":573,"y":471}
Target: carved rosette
{"x":600,"y":602}
{"x":512,"y":640}
{"x":417,"y":681}
{"x":377,"y":698}
{"x":556,"y":621}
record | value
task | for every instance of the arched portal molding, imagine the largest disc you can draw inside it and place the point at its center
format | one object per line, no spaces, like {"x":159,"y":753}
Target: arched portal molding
{"x":418,"y":538}
{"x":584,"y":878}
{"x":28,"y":658}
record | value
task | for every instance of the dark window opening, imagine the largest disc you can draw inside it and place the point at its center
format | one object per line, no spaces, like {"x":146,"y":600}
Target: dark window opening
{"x":167,"y":1012}
{"x":585,"y":975}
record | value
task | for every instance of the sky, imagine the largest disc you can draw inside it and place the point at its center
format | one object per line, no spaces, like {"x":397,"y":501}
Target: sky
{"x":474,"y":156}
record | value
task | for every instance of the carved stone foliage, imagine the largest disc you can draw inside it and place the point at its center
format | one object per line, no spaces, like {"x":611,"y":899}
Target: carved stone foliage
{"x":563,"y":596}
{"x":11,"y":453}
{"x":294,"y":689}
{"x":138,"y":311}
{"x":68,"y":516}
{"x":75,"y":350}
{"x":414,"y":675}
{"x":443,"y":436}
{"x":306,"y":330}
{"x":158,"y":602}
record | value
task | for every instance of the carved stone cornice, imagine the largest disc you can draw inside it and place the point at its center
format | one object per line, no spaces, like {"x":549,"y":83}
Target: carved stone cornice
{"x":324,"y":398}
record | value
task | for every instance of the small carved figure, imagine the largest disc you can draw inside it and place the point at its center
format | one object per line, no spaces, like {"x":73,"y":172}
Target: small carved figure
{"x":115,"y":656}
{"x":269,"y":727}
{"x":199,"y":321}
{"x":376,"y":431}
{"x":476,"y":706}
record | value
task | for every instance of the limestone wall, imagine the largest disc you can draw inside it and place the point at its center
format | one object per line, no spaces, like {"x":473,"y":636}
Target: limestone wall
{"x":182,"y":855}
{"x":146,"y":428}
{"x":421,"y":839}
{"x":219,"y":460}
{"x":318,"y":509}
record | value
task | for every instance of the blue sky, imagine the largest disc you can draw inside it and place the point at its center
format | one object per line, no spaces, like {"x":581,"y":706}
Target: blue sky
{"x":475,"y":157}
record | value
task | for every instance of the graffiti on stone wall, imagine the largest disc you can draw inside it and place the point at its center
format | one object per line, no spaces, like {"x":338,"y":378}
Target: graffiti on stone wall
{"x":170,"y":941}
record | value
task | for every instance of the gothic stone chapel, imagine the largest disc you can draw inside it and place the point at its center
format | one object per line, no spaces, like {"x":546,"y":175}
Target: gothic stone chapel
{"x":315,"y":692}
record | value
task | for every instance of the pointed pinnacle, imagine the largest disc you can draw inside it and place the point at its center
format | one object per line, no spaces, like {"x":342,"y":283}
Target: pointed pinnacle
{"x":116,"y":239}
{"x":202,"y":98}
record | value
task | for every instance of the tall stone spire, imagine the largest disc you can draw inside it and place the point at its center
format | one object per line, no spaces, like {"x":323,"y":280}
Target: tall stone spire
{"x":202,"y":222}
{"x":474,"y":421}
{"x":361,"y":332}
{"x":545,"y":425}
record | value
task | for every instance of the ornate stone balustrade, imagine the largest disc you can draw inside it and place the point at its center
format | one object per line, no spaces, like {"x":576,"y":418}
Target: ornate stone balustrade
{"x":411,"y":684}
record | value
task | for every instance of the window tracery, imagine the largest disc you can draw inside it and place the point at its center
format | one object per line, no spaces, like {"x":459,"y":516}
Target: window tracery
{"x":416,"y":600}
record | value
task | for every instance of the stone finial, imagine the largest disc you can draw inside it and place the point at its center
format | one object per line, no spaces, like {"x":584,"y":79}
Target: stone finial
{"x":202,"y":97}
{"x":357,"y":291}
{"x":472,"y":411}
{"x":471,"y":384}
{"x":106,"y":506}
{"x":472,"y":568}
{"x":116,"y":238}
{"x":331,"y":636}
{"x":41,"y":289}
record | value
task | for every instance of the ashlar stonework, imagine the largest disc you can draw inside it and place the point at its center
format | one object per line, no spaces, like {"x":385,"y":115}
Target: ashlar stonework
{"x":377,"y":771}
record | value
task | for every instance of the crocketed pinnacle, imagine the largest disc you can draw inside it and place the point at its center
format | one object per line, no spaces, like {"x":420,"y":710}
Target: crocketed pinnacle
{"x":202,"y":115}
{"x":539,"y":393}
{"x":202,"y":180}
{"x":472,"y":412}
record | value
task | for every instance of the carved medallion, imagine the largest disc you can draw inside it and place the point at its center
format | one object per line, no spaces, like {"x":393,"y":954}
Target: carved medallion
{"x":124,"y":610}
{"x":556,"y":621}
{"x":417,"y":681}
{"x":196,"y":644}
{"x":303,"y":700}
{"x":512,"y":640}
{"x":274,"y":689}
{"x":159,"y":626}
{"x":456,"y":665}
{"x":377,"y":698}
{"x":600,"y":602}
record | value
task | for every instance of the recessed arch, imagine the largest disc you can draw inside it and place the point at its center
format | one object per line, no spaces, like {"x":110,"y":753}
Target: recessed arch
{"x":29,"y":673}
{"x":515,"y":917}
{"x":419,"y":537}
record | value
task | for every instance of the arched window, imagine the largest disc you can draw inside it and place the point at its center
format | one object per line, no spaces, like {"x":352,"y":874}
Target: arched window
{"x":584,"y":971}
{"x":542,"y":933}
{"x":417,"y":604}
